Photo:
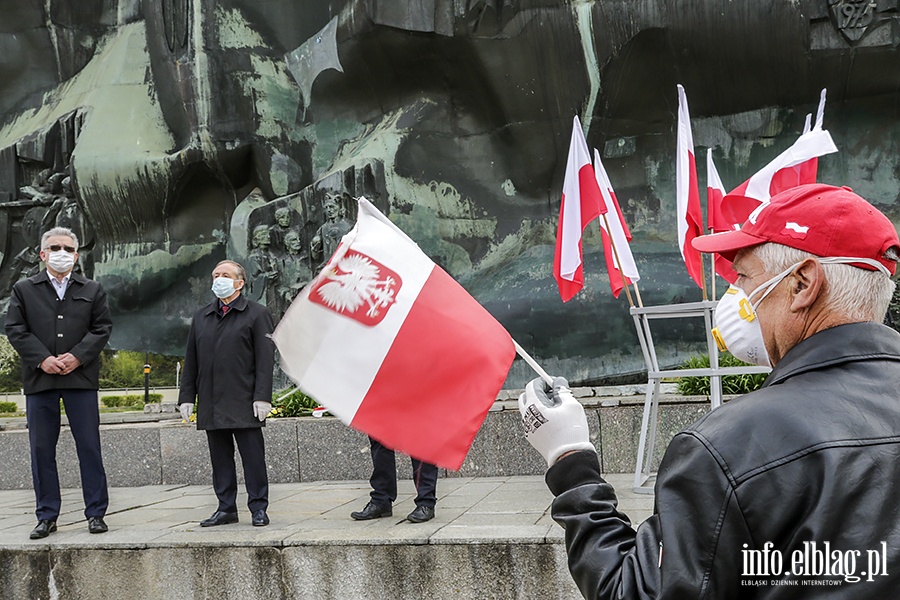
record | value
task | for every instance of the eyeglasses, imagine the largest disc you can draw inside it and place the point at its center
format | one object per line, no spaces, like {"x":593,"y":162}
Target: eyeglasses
{"x":57,"y":248}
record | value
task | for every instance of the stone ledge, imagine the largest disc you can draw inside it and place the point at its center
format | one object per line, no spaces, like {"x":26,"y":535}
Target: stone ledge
{"x":488,"y":570}
{"x":491,"y":537}
{"x":169,"y":451}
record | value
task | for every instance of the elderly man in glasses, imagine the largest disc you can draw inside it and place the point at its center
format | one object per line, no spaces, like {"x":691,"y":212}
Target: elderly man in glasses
{"x":58,"y":321}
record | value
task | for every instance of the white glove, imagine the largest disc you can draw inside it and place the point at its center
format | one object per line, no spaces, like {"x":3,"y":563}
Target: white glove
{"x":187,"y":409}
{"x":261,"y":409}
{"x":554,"y":425}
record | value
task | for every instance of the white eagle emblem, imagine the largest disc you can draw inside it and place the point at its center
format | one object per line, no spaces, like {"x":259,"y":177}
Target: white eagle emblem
{"x":354,"y":284}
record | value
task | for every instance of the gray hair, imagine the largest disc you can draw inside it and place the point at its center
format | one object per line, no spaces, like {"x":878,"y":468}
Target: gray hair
{"x":63,"y":231}
{"x":241,"y":273}
{"x":856,"y":294}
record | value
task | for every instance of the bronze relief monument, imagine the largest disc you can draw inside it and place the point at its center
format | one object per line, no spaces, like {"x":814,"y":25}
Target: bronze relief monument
{"x":174,"y":134}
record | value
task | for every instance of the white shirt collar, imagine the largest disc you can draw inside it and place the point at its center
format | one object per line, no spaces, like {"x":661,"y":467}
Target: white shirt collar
{"x":60,"y":287}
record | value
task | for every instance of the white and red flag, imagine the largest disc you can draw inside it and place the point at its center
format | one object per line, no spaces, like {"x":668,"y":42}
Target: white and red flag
{"x":795,"y":166}
{"x":618,"y":234}
{"x":581,"y":204}
{"x":393,"y":346}
{"x":687,"y":192}
{"x":715,"y":220}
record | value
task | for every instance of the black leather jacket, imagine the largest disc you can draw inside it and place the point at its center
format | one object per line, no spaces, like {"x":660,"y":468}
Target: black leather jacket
{"x":805,"y":468}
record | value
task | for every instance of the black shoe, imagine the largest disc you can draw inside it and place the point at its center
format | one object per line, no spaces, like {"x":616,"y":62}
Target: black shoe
{"x":44,"y":528}
{"x":372,"y":511}
{"x":219,"y":518}
{"x":421,"y":514}
{"x":97,"y":525}
{"x":260,"y":518}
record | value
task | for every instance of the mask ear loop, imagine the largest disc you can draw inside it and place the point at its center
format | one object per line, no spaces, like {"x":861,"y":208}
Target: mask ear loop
{"x":843,"y":260}
{"x":770,"y":285}
{"x":828,"y":260}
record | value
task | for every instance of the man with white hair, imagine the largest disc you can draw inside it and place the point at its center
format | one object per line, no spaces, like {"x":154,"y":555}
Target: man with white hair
{"x":58,"y":321}
{"x":792,"y":486}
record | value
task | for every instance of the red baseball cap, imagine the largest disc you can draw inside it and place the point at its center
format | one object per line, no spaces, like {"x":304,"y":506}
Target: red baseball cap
{"x":820,"y":219}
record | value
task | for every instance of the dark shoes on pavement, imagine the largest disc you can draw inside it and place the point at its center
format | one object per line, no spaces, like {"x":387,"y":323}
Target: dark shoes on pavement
{"x":372,"y":511}
{"x":260,"y":518}
{"x":421,"y":514}
{"x":43,"y":529}
{"x":220,"y":518}
{"x":97,"y":525}
{"x":376,"y":511}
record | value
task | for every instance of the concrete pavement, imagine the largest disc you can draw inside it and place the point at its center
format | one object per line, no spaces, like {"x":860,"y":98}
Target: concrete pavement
{"x":492,"y":537}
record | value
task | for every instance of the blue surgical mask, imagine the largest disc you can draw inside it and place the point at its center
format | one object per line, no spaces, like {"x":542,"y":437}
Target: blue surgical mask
{"x":223,"y":287}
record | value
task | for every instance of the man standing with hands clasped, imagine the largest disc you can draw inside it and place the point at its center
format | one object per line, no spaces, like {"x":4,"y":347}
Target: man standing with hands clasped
{"x":789,"y":491}
{"x":228,"y":367}
{"x":58,"y":321}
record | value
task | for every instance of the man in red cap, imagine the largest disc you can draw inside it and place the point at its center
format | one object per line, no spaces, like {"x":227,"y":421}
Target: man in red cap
{"x":795,"y":485}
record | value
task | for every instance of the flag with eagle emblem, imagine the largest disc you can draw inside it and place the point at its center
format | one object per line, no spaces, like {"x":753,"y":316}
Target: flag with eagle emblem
{"x":393,"y":346}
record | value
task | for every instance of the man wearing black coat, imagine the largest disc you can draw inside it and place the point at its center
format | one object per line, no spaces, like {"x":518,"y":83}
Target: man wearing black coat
{"x":228,"y":367}
{"x":58,"y":321}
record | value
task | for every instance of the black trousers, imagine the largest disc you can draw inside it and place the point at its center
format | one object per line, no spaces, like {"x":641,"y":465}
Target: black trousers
{"x":384,"y":477}
{"x":252,"y":447}
{"x":43,"y":417}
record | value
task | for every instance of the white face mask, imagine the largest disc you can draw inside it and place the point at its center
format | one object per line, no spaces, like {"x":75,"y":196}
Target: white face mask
{"x":61,"y":261}
{"x":737,"y":324}
{"x":223,"y":287}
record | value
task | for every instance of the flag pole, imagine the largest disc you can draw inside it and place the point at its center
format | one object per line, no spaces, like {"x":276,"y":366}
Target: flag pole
{"x":703,"y":278}
{"x":533,"y":364}
{"x":713,"y":269}
{"x":637,"y":293}
{"x":612,"y":244}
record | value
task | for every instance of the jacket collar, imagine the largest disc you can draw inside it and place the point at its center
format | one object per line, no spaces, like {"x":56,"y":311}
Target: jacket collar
{"x":841,"y":344}
{"x":239,"y":303}
{"x":43,"y":276}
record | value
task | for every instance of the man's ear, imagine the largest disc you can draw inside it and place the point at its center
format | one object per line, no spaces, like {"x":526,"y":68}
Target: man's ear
{"x":807,"y":283}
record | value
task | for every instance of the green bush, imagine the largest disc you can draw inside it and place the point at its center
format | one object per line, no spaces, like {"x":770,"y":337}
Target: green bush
{"x":10,"y":367}
{"x":132,"y":400}
{"x":125,"y":369}
{"x":296,"y":404}
{"x":8,"y":407}
{"x":731,"y":384}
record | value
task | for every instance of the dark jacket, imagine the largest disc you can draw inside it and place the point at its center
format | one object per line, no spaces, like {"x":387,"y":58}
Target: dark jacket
{"x":39,"y":325}
{"x":812,"y":457}
{"x":228,"y":364}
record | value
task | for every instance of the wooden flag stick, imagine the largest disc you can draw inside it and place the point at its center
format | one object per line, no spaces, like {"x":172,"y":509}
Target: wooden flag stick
{"x":637,"y":293}
{"x":612,"y":243}
{"x":703,"y":278}
{"x":712,"y":267}
{"x":533,"y":364}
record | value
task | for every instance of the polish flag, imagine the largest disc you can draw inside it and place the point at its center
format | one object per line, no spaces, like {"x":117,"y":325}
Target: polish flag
{"x":391,"y":345}
{"x":687,"y":193}
{"x":795,"y":166}
{"x":807,"y":171}
{"x":619,"y":234}
{"x":715,"y":191}
{"x":582,"y":202}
